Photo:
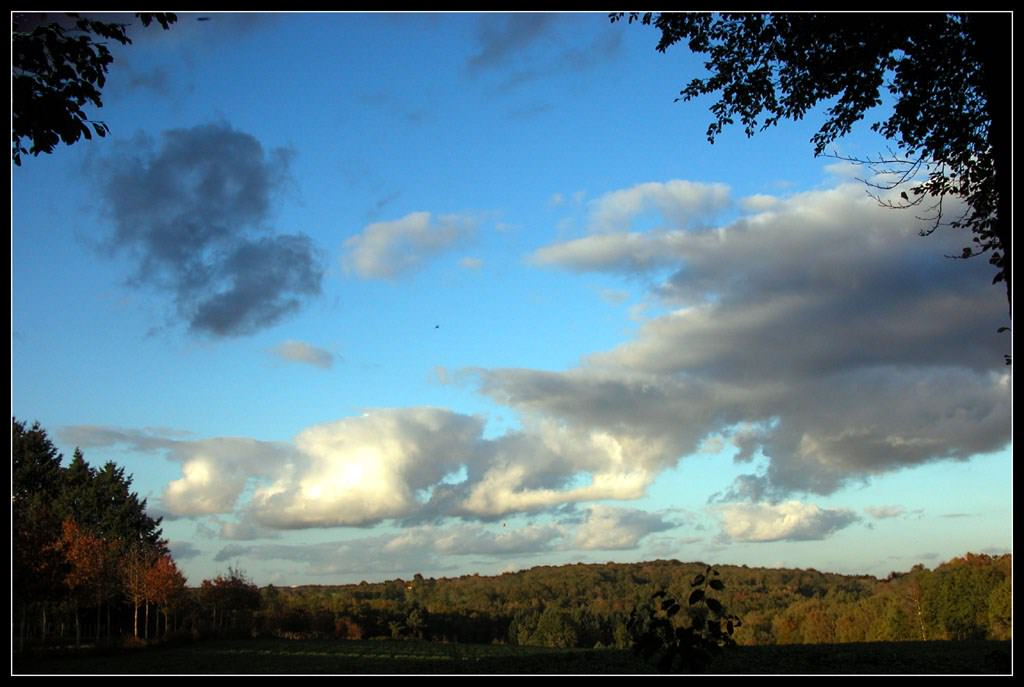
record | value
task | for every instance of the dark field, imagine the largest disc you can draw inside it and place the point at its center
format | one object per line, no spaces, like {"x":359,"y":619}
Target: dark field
{"x":275,"y":656}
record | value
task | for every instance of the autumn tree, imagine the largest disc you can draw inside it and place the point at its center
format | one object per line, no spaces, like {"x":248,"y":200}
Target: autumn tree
{"x":83,"y":552}
{"x":164,"y":583}
{"x":948,"y":76}
{"x":135,"y":565}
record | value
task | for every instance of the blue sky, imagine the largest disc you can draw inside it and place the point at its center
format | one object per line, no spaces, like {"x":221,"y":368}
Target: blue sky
{"x":360,"y":296}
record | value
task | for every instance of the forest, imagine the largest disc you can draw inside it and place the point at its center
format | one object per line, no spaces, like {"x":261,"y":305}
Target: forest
{"x":589,"y":605}
{"x":90,"y":567}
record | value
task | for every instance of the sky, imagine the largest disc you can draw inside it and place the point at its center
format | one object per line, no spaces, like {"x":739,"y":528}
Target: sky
{"x":359,"y":296}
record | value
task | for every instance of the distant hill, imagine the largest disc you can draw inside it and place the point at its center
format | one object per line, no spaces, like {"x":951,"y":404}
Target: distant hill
{"x":586,"y":605}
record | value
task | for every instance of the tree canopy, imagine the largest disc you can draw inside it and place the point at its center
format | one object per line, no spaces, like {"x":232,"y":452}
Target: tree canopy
{"x":948,"y":75}
{"x":74,"y":531}
{"x":58,"y":66}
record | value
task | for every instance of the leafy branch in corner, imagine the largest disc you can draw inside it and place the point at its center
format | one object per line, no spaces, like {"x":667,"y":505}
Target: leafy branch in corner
{"x":659,"y":634}
{"x":58,"y":67}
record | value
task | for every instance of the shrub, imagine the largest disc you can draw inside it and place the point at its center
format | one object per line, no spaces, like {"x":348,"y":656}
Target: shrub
{"x":658,"y":633}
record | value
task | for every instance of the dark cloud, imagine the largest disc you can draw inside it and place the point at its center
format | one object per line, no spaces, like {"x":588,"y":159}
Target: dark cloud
{"x":157,"y":81}
{"x":824,"y":334}
{"x":193,"y":214}
{"x":232,"y":551}
{"x":504,"y":36}
{"x":183,"y":550}
{"x":512,"y":46}
{"x":266,"y":279}
{"x":93,"y":436}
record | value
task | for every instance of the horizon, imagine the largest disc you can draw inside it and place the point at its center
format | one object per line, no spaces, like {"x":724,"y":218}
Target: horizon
{"x":717,"y":565}
{"x":458,"y":294}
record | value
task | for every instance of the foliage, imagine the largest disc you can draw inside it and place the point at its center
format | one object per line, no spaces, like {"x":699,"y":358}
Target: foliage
{"x":658,"y":634}
{"x":81,"y":541}
{"x":232,"y":600}
{"x":1000,"y":610}
{"x":164,"y":585}
{"x":37,"y":569}
{"x":947,"y":74}
{"x":592,"y":602}
{"x":958,"y":596}
{"x":59,"y":66}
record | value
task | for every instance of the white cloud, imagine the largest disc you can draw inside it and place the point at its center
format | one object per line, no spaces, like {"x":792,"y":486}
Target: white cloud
{"x":407,"y":464}
{"x":683,"y":204}
{"x":300,"y":352}
{"x":760,"y":203}
{"x":610,"y":528}
{"x":214,"y":471}
{"x":620,"y":252}
{"x":366,"y":469}
{"x":471,"y":263}
{"x":389,"y":250}
{"x":789,"y":521}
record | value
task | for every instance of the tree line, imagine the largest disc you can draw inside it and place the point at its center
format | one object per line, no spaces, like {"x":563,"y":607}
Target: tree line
{"x":89,"y":564}
{"x":86,"y":557}
{"x":589,"y":605}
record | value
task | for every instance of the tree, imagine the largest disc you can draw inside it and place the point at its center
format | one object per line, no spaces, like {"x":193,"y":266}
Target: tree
{"x":58,"y":66}
{"x":1000,"y":610}
{"x":164,"y":583}
{"x":949,"y":76}
{"x":555,"y":628}
{"x":35,"y":462}
{"x":134,"y":567}
{"x":231,"y":598}
{"x":86,"y":567}
{"x":76,"y":533}
{"x":37,"y":568}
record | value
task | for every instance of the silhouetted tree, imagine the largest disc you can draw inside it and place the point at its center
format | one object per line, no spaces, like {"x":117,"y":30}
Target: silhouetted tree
{"x":59,"y":64}
{"x":949,"y":76}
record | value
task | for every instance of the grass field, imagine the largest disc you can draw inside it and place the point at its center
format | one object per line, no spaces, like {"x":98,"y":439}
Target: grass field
{"x":276,"y":656}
